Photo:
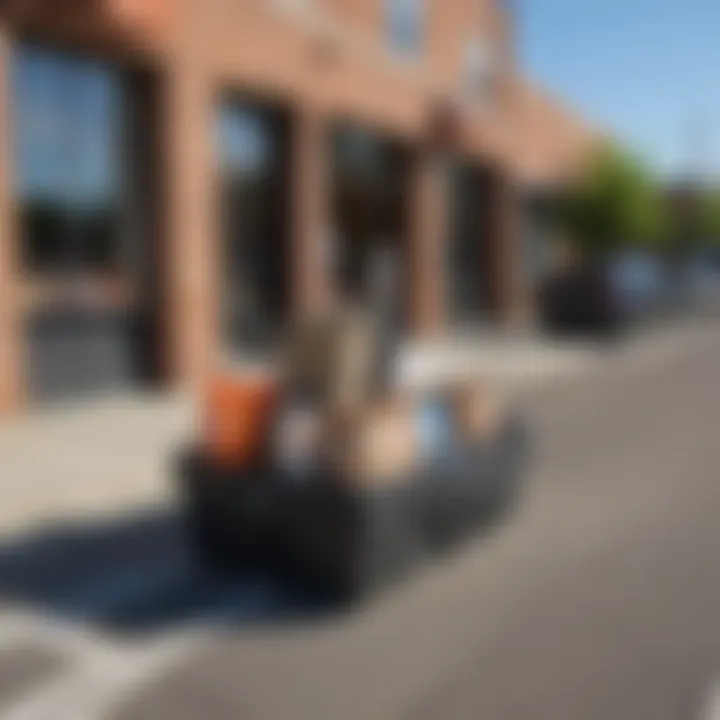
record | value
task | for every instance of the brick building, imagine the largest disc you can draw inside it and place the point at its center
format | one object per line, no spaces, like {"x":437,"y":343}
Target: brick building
{"x":178,"y":178}
{"x":552,"y":146}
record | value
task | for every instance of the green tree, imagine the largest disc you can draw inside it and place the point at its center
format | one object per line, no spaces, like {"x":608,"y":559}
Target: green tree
{"x":708,"y":217}
{"x":695,"y":223}
{"x":616,"y":204}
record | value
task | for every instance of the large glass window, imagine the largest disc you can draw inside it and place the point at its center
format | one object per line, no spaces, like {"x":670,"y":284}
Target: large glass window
{"x":253,"y":163}
{"x":69,"y":119}
{"x":406,"y":25}
{"x":468,"y":247}
{"x":369,"y":198}
{"x":85,"y":144}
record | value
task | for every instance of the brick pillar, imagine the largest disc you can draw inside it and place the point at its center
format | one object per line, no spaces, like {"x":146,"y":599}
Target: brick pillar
{"x":11,"y":375}
{"x":310,"y":229}
{"x":192,"y":226}
{"x":427,"y":243}
{"x":510,"y":296}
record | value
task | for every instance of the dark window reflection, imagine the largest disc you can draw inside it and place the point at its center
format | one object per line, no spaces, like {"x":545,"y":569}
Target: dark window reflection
{"x":468,"y":247}
{"x":253,"y":143}
{"x":369,"y":200}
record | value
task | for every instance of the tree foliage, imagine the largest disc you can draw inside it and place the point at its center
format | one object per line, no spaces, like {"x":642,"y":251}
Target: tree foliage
{"x":616,"y":204}
{"x":708,"y":217}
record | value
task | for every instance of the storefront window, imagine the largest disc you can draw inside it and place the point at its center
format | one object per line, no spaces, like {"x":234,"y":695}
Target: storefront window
{"x":252,"y":149}
{"x":468,"y":247}
{"x":85,"y":144}
{"x":69,"y":162}
{"x":369,"y":200}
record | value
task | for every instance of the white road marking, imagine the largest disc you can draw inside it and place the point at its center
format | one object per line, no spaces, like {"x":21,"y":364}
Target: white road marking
{"x":12,"y":631}
{"x":100,"y":672}
{"x":103,"y":672}
{"x":18,"y":628}
{"x":712,"y":708}
{"x":92,"y":690}
{"x":101,"y":675}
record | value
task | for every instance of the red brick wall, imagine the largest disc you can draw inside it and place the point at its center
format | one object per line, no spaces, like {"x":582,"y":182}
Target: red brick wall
{"x":312,"y":289}
{"x":191,"y":247}
{"x":428,"y":224}
{"x":10,"y":342}
{"x":449,"y":26}
{"x":453,"y":25}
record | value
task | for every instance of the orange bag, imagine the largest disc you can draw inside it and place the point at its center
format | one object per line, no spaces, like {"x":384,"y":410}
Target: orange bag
{"x":239,"y":415}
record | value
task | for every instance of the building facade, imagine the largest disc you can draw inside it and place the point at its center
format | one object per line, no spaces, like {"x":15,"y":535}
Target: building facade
{"x":551,"y":150}
{"x":180,"y":178}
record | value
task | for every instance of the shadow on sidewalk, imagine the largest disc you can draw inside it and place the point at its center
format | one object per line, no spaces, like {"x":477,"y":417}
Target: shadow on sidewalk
{"x":136,"y":574}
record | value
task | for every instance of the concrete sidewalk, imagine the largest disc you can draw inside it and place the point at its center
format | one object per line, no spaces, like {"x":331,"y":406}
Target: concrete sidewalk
{"x":518,"y":362}
{"x":113,"y":455}
{"x":512,"y":363}
{"x":105,"y":456}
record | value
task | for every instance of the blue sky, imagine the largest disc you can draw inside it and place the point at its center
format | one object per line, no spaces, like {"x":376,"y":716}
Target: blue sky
{"x":647,"y":70}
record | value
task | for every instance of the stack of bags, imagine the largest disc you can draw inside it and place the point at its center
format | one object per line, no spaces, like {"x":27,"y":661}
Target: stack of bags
{"x":337,"y":413}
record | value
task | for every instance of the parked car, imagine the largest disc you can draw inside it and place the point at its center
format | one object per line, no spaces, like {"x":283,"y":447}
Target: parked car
{"x":640,"y":284}
{"x":581,"y":300}
{"x":630,"y":288}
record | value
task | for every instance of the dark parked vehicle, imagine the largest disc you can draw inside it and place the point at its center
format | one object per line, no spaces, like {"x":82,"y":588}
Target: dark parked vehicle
{"x":582,"y":300}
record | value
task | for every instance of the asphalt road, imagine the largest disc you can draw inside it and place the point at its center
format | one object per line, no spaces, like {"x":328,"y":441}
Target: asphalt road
{"x":599,"y":598}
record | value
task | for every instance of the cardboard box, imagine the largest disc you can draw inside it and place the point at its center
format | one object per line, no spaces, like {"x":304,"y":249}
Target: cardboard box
{"x":351,"y":375}
{"x":309,"y":358}
{"x":478,"y":411}
{"x":331,"y":360}
{"x":376,"y":446}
